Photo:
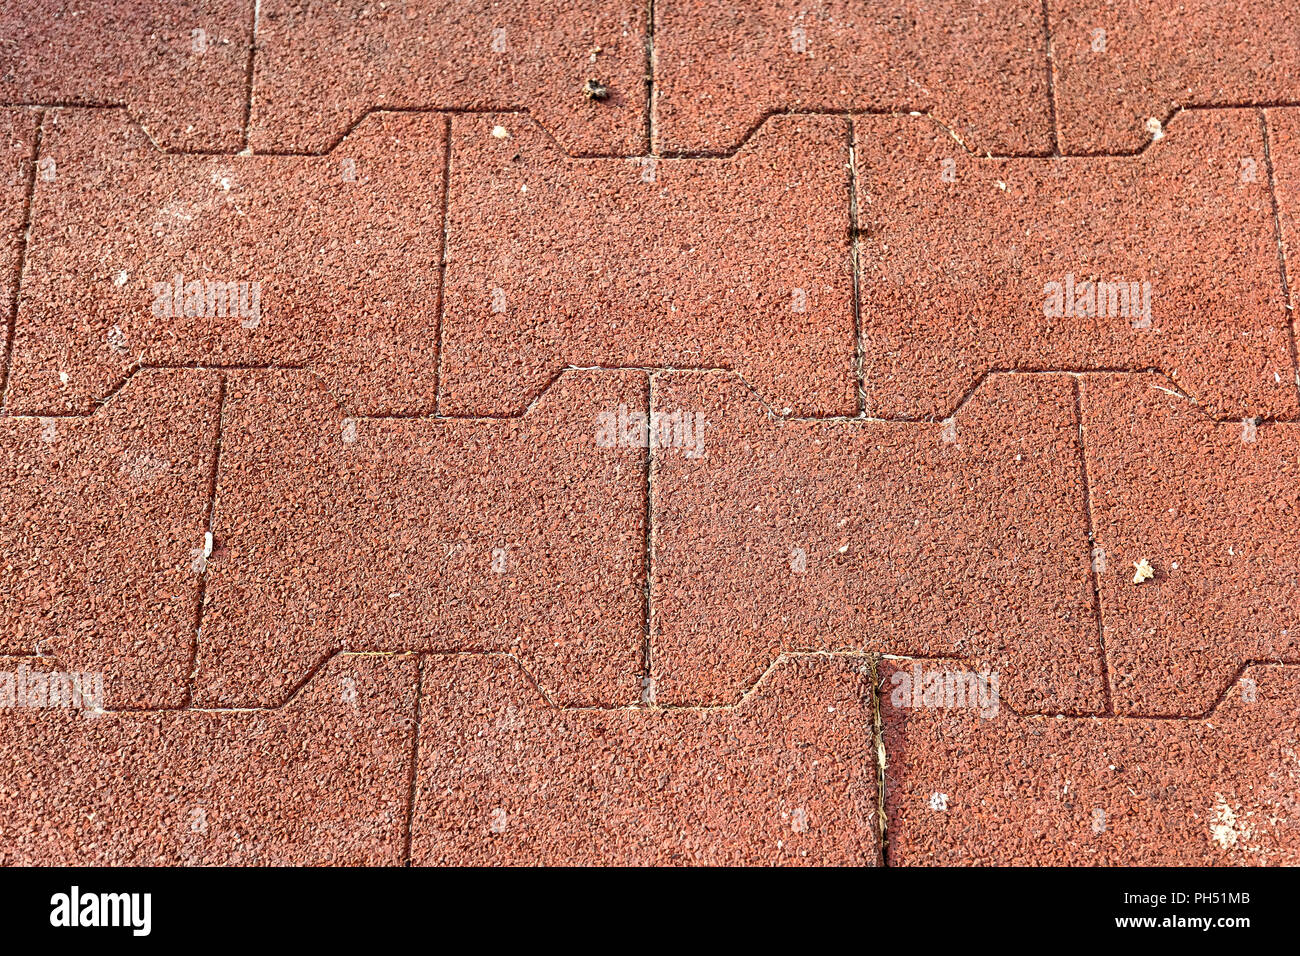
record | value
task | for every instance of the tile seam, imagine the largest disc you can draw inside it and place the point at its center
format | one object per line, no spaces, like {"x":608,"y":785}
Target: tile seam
{"x":1288,"y":305}
{"x":413,"y":785}
{"x":1051,"y":79}
{"x":254,"y":16}
{"x":441,"y":332}
{"x":1263,"y":420}
{"x":647,"y":649}
{"x":855,"y":261}
{"x":20,"y":267}
{"x":1170,"y":116}
{"x":696,"y":708}
{"x":881,"y":755}
{"x":213,"y":489}
{"x":1091,"y":530}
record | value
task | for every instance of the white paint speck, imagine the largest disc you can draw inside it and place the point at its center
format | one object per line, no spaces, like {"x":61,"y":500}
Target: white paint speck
{"x":1227,"y":826}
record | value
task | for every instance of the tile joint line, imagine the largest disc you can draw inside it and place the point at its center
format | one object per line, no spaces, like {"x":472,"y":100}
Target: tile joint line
{"x":1287,"y":304}
{"x":1108,"y":708}
{"x":1051,"y":79}
{"x":859,"y":360}
{"x":881,"y":756}
{"x":415,"y":761}
{"x":647,"y":675}
{"x":213,"y":485}
{"x":441,"y":297}
{"x":34,"y":158}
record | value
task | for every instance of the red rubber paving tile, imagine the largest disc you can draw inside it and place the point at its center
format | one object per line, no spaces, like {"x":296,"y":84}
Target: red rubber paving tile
{"x":740,"y":263}
{"x":1215,"y":510}
{"x":325,"y":780}
{"x":523,"y":535}
{"x":102,"y":529}
{"x":955,"y":275}
{"x":468,"y":612}
{"x":421,"y":54}
{"x":180,"y":67}
{"x":1284,"y":142}
{"x":17,"y":143}
{"x":345,"y":247}
{"x":874,"y":536}
{"x":1117,"y":65}
{"x":966,"y":789}
{"x":787,"y":776}
{"x":981,"y":69}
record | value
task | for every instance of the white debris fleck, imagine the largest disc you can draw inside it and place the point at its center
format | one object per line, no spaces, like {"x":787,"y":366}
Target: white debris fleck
{"x":1227,"y":826}
{"x":1143,"y":571}
{"x":1155,"y":128}
{"x":500,"y":132}
{"x":939,"y":801}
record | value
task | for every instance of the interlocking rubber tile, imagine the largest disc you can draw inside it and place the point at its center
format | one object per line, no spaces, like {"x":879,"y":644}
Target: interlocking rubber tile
{"x":1000,"y":267}
{"x":981,"y":69}
{"x":740,"y":263}
{"x":1284,"y":139}
{"x":787,"y":776}
{"x":330,"y":262}
{"x":523,"y":535}
{"x":1118,"y":65}
{"x":965,"y":538}
{"x":180,"y":67}
{"x":102,"y":527}
{"x":324,"y":780}
{"x":548,"y":432}
{"x":17,"y":144}
{"x":1214,"y":509}
{"x":961,"y":788}
{"x":425,"y":54}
